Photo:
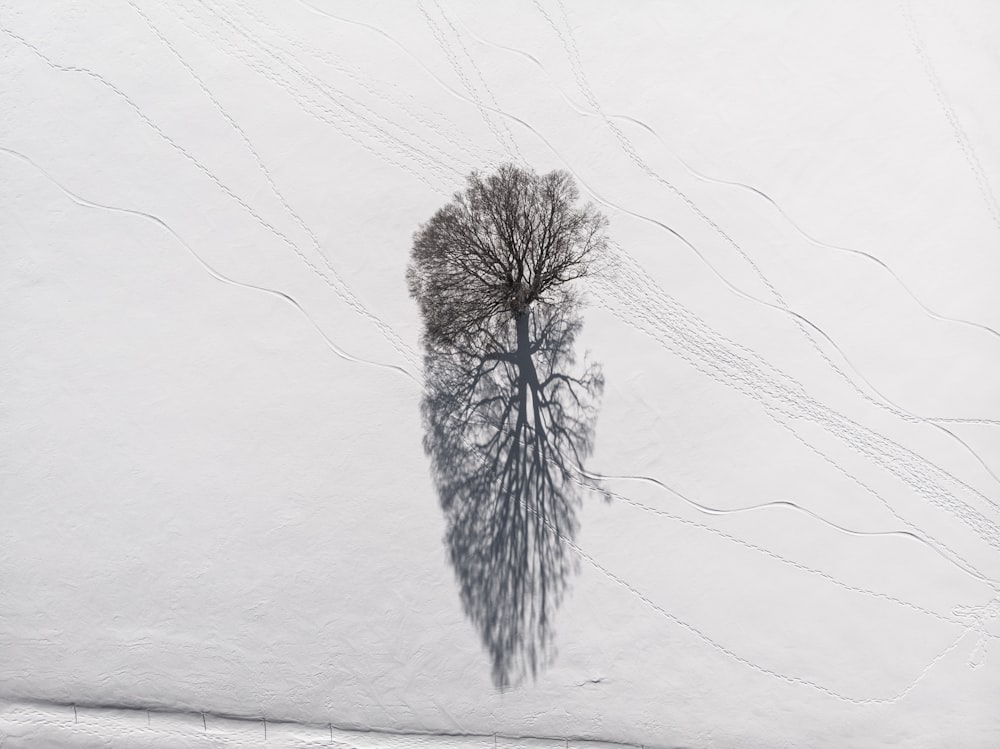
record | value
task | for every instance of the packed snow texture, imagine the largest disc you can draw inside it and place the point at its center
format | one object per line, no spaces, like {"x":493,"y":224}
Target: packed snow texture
{"x":216,"y":500}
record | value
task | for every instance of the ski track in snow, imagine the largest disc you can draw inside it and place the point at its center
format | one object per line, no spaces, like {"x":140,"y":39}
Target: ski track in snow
{"x":583,"y":111}
{"x":502,"y":132}
{"x":338,"y":288}
{"x":346,"y":120}
{"x":710,"y":352}
{"x":691,"y":348}
{"x":287,"y":298}
{"x":444,"y":129}
{"x":958,"y":132}
{"x":802,"y":323}
{"x":344,"y":291}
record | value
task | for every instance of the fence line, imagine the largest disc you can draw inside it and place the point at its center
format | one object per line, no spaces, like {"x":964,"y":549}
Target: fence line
{"x":105,"y":721}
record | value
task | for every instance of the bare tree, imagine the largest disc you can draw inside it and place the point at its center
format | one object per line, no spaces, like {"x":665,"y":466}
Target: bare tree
{"x":510,"y":240}
{"x":508,"y":422}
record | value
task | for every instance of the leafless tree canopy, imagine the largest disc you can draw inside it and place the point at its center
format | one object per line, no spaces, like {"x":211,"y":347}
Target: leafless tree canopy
{"x":509,"y":240}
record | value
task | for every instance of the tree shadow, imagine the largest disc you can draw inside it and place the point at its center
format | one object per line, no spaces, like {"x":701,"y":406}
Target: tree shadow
{"x":507,"y":428}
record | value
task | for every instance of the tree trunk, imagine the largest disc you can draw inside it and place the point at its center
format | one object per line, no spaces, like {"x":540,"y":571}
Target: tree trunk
{"x":523,"y":334}
{"x":527,"y":376}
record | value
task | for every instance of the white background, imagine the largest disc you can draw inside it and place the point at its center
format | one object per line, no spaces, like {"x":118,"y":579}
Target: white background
{"x":214,"y":497}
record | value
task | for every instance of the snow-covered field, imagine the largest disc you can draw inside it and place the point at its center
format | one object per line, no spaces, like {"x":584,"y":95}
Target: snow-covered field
{"x":215,"y":503}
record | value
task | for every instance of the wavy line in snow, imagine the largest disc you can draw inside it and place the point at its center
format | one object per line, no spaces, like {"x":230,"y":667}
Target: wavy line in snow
{"x":335,"y":287}
{"x":956,"y":618}
{"x":787,"y":504}
{"x":685,"y":335}
{"x":217,"y":275}
{"x":958,"y":132}
{"x":760,"y":193}
{"x":714,"y":644}
{"x":345,"y":291}
{"x":801,"y":322}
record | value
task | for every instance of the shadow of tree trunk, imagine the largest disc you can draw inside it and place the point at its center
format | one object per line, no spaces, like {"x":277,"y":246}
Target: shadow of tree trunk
{"x":507,"y":427}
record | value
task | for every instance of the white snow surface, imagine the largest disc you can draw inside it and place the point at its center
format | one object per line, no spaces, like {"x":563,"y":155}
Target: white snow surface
{"x":213,"y":491}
